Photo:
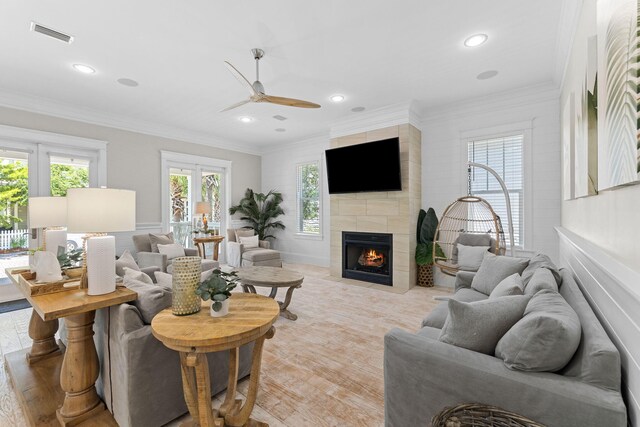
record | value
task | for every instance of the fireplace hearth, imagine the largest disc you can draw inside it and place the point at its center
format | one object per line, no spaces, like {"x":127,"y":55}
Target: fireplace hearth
{"x":367,"y":257}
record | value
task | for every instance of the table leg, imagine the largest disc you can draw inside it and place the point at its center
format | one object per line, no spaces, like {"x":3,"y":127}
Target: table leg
{"x":287,"y":300}
{"x":231,"y":404}
{"x":79,"y":372}
{"x":196,"y":384}
{"x":249,"y":289}
{"x":241,"y":415}
{"x":43,"y":335}
{"x":215,"y":250}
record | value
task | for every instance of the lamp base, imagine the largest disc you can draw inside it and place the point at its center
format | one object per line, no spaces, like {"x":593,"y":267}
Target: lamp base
{"x":101,"y":265}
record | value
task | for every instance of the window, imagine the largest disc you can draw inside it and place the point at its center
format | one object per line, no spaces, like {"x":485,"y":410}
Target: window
{"x":505,"y":156}
{"x":308,"y":198}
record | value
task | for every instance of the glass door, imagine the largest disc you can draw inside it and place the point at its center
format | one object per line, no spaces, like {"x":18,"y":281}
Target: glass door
{"x":180,"y":205}
{"x":211,"y":192}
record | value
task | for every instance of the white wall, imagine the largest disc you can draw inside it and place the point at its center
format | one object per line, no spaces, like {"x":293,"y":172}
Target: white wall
{"x":444,"y":155}
{"x":279,"y":173}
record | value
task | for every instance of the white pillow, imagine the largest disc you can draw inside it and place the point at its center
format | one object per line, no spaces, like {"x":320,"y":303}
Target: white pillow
{"x":166,"y":279}
{"x":140,"y":276}
{"x":249,"y":242}
{"x":172,"y":250}
{"x":470,"y":257}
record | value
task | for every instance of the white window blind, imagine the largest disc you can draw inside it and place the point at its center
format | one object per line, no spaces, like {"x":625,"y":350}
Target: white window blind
{"x":504,"y":155}
{"x":308,"y":198}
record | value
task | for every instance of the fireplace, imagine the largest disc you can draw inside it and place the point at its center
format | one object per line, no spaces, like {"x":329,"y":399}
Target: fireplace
{"x":367,"y":257}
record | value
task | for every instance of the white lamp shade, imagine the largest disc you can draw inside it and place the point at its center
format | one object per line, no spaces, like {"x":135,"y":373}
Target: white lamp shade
{"x":47,"y":212}
{"x":100,"y":210}
{"x":203,"y":208}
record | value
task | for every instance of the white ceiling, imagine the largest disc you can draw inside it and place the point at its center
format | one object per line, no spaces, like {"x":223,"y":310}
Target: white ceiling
{"x":376,"y":53}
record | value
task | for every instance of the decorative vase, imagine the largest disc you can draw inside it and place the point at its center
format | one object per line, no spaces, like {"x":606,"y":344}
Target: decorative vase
{"x":185,"y":279}
{"x":73,"y":273}
{"x":224,"y":310}
{"x":425,"y":275}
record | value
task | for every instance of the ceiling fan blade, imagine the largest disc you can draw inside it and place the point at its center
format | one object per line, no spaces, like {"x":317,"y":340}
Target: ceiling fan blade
{"x":242,"y":79}
{"x":236,"y":105}
{"x":290,"y":102}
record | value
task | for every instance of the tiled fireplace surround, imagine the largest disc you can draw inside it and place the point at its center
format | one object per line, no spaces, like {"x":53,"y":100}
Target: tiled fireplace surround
{"x":393,"y":212}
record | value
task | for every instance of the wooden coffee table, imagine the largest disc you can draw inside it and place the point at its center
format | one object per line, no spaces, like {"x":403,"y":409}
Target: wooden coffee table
{"x":250,"y":318}
{"x":274,"y":278}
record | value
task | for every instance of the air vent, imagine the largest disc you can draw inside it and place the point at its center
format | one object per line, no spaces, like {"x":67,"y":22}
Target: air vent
{"x":279,"y":117}
{"x":51,"y":33}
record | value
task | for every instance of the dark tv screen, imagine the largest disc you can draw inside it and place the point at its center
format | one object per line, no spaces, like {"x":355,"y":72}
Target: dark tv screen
{"x":373,"y":166}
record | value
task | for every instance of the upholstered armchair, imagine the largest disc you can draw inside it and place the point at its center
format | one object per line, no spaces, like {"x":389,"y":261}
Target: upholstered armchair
{"x":241,"y":254}
{"x":146,"y":257}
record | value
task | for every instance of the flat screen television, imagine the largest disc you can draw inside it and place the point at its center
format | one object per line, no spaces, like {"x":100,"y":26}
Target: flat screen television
{"x":373,"y":166}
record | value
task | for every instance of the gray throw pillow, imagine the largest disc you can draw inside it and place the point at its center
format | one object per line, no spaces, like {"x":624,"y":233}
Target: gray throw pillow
{"x":152,"y":299}
{"x":494,"y":269}
{"x":130,"y":273}
{"x":470,"y":257}
{"x":244,"y":232}
{"x":126,"y":260}
{"x":542,"y":279}
{"x":545,"y":339}
{"x":469,"y":239}
{"x":511,"y":285}
{"x":479,"y":325}
{"x":540,"y":261}
{"x":160,"y":239}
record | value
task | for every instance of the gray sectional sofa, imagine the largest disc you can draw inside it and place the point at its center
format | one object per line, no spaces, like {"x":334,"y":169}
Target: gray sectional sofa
{"x":423,"y":375}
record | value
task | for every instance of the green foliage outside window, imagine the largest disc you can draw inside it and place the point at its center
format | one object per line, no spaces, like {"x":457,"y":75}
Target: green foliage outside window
{"x":309,"y":198}
{"x":14,"y":192}
{"x":64,"y":177}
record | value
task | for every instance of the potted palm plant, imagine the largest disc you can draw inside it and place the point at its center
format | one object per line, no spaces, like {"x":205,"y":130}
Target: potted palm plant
{"x":261,"y":211}
{"x":425,"y":235}
{"x":217,"y":288}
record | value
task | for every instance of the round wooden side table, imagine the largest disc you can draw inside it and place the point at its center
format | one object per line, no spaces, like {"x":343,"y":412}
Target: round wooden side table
{"x":200,"y":243}
{"x":274,"y":278}
{"x":250,"y":318}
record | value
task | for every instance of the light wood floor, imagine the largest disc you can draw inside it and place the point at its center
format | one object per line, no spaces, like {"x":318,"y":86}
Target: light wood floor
{"x":324,"y":369}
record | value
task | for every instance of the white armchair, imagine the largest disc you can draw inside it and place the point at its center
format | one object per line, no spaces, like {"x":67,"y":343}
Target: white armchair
{"x":240,"y":256}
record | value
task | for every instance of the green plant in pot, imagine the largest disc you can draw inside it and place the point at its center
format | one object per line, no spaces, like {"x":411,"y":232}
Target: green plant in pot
{"x":261,"y":211}
{"x":425,"y":235}
{"x":70,"y":262}
{"x":217,"y":288}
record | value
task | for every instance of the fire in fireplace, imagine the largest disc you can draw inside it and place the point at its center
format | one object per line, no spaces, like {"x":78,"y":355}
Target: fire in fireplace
{"x":367,"y":256}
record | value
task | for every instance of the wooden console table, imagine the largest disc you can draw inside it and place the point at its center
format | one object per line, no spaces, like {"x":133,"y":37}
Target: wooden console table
{"x":200,"y":244}
{"x":250,"y":318}
{"x":58,"y":387}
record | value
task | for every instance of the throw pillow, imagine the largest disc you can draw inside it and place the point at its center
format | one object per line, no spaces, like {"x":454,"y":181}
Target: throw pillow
{"x":479,"y":325}
{"x":511,"y":285}
{"x":141,"y":276}
{"x":469,"y":239}
{"x":494,"y":269}
{"x":171,"y":250}
{"x":244,"y":232}
{"x":126,"y":260}
{"x":540,"y":261}
{"x":542,"y":279}
{"x":151,"y":300}
{"x":249,"y":242}
{"x":470,"y":257}
{"x":545,"y":339}
{"x":163,"y":239}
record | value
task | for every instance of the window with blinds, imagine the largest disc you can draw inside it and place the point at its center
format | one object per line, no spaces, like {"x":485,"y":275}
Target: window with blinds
{"x":308,"y":198}
{"x":505,"y":156}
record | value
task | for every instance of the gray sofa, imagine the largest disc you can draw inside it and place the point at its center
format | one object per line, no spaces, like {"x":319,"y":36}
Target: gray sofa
{"x":423,"y":375}
{"x":140,"y":379}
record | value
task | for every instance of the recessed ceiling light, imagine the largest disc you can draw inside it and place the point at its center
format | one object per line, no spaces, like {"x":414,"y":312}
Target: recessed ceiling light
{"x":246,"y":119}
{"x":487,"y":75}
{"x":128,"y":82}
{"x":357,"y":109}
{"x":84,"y":68}
{"x":475,"y":40}
{"x":337,"y":98}
{"x":281,"y":130}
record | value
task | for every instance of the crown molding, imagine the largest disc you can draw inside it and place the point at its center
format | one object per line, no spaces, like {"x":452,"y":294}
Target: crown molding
{"x":391,"y":115}
{"x":567,"y":27}
{"x":547,"y":92}
{"x":49,"y":107}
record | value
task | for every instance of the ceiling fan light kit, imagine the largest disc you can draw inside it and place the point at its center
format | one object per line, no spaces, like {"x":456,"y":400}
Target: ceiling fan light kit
{"x":256,"y":90}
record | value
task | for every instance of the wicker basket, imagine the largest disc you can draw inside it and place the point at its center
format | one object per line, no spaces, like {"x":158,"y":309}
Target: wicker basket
{"x":478,"y":415}
{"x":425,"y":275}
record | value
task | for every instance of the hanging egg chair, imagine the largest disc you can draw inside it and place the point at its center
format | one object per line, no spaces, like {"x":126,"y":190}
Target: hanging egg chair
{"x":471,"y":216}
{"x":470,"y":220}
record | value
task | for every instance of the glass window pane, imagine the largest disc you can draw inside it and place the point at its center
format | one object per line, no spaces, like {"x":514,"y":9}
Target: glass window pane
{"x":308,"y":198}
{"x":68,"y":172}
{"x":211,"y":182}
{"x":179,"y":205}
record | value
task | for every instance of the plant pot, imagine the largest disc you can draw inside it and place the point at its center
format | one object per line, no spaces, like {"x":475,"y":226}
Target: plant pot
{"x":224,"y":310}
{"x":425,"y":275}
{"x":73,"y":273}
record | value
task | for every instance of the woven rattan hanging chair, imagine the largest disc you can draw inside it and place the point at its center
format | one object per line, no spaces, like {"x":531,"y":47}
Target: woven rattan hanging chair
{"x":471,"y":215}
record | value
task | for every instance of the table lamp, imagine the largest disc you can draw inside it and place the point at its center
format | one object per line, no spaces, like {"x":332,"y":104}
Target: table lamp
{"x":97,"y":211}
{"x":49,"y":213}
{"x":203,"y":208}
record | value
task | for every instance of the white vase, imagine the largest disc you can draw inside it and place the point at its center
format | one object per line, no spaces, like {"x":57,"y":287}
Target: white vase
{"x":224,"y":310}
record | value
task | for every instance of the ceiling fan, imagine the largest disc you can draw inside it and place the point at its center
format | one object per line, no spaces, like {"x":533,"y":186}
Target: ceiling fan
{"x":256,"y":90}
